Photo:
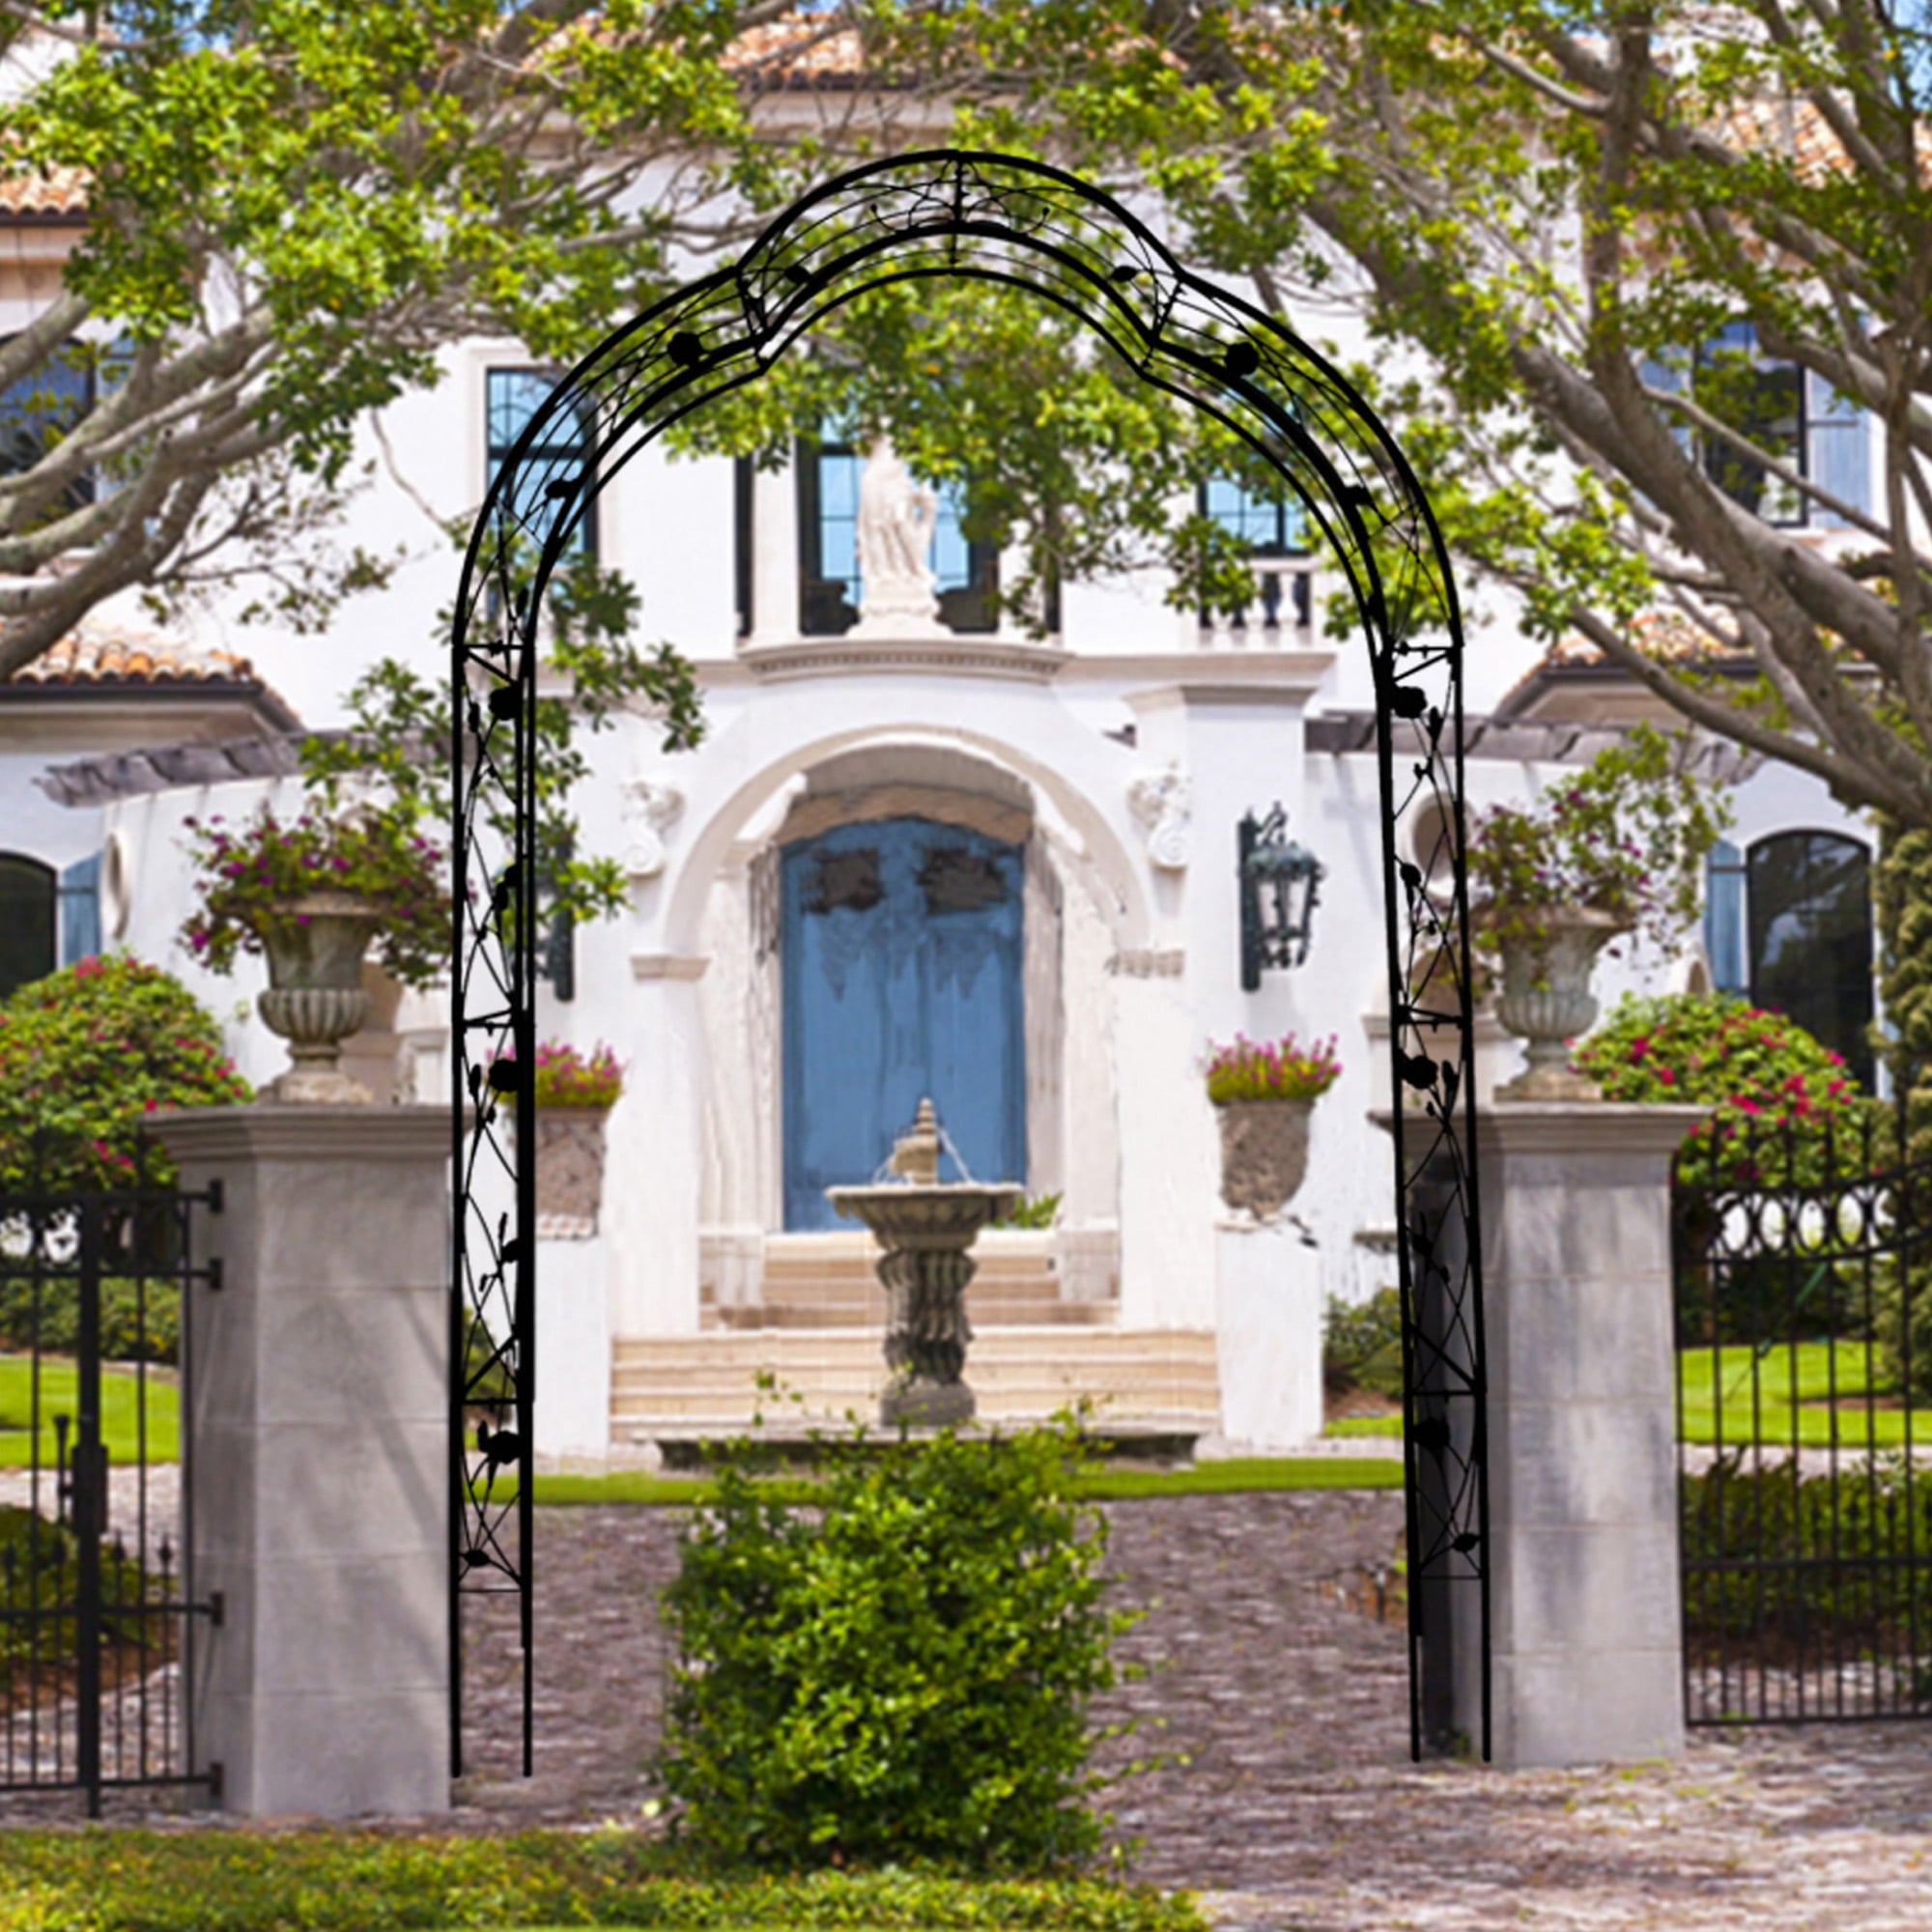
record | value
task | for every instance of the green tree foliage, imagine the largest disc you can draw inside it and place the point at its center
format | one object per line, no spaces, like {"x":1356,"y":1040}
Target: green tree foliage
{"x":1904,"y":881}
{"x":1548,"y":216}
{"x":898,"y":1674}
{"x":294,"y":204}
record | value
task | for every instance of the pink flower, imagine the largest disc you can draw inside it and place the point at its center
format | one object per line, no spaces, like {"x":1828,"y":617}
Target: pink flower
{"x":1669,"y":1078}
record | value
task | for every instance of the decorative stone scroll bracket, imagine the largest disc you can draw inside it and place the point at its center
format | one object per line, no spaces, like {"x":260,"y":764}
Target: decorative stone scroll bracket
{"x":1163,"y":803}
{"x":650,"y":807}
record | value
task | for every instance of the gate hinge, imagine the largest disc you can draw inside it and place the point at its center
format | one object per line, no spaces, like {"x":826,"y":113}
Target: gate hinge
{"x":218,"y":1608}
{"x":215,"y":1196}
{"x":210,"y":1273}
{"x":216,"y":1774}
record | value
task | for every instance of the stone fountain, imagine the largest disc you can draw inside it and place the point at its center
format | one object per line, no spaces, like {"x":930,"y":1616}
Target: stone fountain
{"x":926,"y":1227}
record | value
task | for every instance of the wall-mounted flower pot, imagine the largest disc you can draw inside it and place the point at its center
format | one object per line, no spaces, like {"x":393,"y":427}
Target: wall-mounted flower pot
{"x":569,"y":1171}
{"x":1263,"y":1153}
{"x":314,"y":999}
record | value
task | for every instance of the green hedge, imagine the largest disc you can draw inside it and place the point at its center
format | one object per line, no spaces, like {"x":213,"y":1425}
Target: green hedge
{"x":899,"y":1674}
{"x":139,"y":1322}
{"x":343,"y":1882}
{"x":40,"y":1568}
{"x":1774,"y":1515}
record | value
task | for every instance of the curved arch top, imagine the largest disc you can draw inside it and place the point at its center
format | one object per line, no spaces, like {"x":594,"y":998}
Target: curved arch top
{"x":1049,"y":237}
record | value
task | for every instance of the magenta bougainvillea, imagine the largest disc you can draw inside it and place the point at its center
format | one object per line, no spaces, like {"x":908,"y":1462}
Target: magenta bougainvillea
{"x":567,"y":1077}
{"x":1752,"y":1068}
{"x":248,"y":878}
{"x":86,"y":1056}
{"x":1251,"y":1070}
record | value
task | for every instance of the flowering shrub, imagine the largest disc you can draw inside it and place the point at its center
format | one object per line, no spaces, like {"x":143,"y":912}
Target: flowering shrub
{"x":86,"y":1055}
{"x":248,"y":877}
{"x":1753,"y":1068}
{"x":1627,"y":835}
{"x":568,"y":1078}
{"x":1253,"y":1070}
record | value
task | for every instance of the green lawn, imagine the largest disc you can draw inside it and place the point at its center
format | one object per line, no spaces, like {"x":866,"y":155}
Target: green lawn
{"x":1791,"y":1381}
{"x":1103,"y":1484}
{"x":120,"y":1396}
{"x":1798,"y":1381}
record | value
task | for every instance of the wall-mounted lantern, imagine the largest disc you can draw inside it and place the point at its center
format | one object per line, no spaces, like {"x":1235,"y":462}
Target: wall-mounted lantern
{"x":1279,"y":885}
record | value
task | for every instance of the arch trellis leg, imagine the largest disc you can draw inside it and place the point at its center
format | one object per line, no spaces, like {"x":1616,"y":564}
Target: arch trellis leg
{"x":948,"y":214}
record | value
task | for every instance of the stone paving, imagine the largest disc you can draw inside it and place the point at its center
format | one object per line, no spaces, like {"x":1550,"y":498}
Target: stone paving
{"x":1277,"y":1704}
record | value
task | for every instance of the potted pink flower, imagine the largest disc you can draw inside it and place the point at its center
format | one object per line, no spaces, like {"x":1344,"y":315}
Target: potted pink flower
{"x":573,"y":1093}
{"x":1263,"y":1093}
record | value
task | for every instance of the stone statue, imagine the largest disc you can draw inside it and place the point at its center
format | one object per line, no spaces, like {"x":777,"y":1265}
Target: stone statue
{"x":1163,"y":802}
{"x":649,"y":807}
{"x":897,"y":518}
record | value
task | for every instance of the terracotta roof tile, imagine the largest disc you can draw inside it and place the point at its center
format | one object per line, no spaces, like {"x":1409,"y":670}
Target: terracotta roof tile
{"x":802,"y":50}
{"x":1661,"y":634}
{"x":97,"y":655}
{"x":60,"y":191}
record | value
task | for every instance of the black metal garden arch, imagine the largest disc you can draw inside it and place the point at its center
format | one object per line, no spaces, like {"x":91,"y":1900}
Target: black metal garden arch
{"x":948,"y":212}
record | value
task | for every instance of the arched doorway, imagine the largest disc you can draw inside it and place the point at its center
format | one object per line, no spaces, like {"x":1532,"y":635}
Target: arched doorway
{"x":1051,"y":238}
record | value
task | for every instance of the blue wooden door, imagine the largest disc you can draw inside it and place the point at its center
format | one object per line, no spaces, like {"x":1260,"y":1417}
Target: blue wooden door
{"x":901,"y":949}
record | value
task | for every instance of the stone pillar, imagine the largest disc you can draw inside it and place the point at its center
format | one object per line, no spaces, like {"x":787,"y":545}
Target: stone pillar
{"x":653,"y":1165}
{"x":1267,"y":1333}
{"x":1168,"y":1149}
{"x":320,"y":1476}
{"x":1585,"y":1632}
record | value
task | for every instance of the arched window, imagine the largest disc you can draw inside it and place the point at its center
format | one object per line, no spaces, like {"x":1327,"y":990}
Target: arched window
{"x":1789,"y":924}
{"x":29,"y":894}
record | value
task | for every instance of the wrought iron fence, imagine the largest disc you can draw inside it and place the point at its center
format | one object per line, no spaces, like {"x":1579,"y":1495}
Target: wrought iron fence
{"x":95,"y":1386}
{"x":1802,"y":1264}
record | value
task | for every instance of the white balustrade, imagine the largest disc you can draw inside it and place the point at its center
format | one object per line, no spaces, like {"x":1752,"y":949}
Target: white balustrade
{"x":1282,"y":612}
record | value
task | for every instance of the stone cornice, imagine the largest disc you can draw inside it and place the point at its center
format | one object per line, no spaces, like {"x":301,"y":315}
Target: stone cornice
{"x":957,"y":655}
{"x":1533,"y":1127}
{"x":267,"y":1130}
{"x":668,"y":965}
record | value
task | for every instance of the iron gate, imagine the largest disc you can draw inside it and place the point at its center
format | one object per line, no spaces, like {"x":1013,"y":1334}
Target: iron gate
{"x":94,"y":1590}
{"x":1800,"y":1253}
{"x":1003,"y":220}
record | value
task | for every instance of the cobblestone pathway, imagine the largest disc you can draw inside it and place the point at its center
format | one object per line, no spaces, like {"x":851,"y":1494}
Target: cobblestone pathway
{"x":1287,"y":1797}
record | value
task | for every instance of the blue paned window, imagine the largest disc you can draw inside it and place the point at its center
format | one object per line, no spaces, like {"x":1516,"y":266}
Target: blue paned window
{"x":44,"y":407}
{"x":831,"y":589}
{"x":1724,"y":919}
{"x":80,"y":910}
{"x":28,"y":905}
{"x":1269,"y":527}
{"x":513,"y":396}
{"x":1788,"y":411}
{"x":1788,"y":926}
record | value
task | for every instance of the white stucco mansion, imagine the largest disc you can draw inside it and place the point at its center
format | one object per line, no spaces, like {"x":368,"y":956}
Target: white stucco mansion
{"x":912,"y":855}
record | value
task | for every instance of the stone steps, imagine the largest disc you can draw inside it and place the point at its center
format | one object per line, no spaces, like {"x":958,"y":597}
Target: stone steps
{"x":1163,"y":1377}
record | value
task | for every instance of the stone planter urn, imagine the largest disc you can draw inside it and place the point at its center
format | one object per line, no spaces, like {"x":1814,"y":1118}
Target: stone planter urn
{"x":1546,"y":1001}
{"x":1264,"y":1153}
{"x":569,"y":1171}
{"x":315,"y":998}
